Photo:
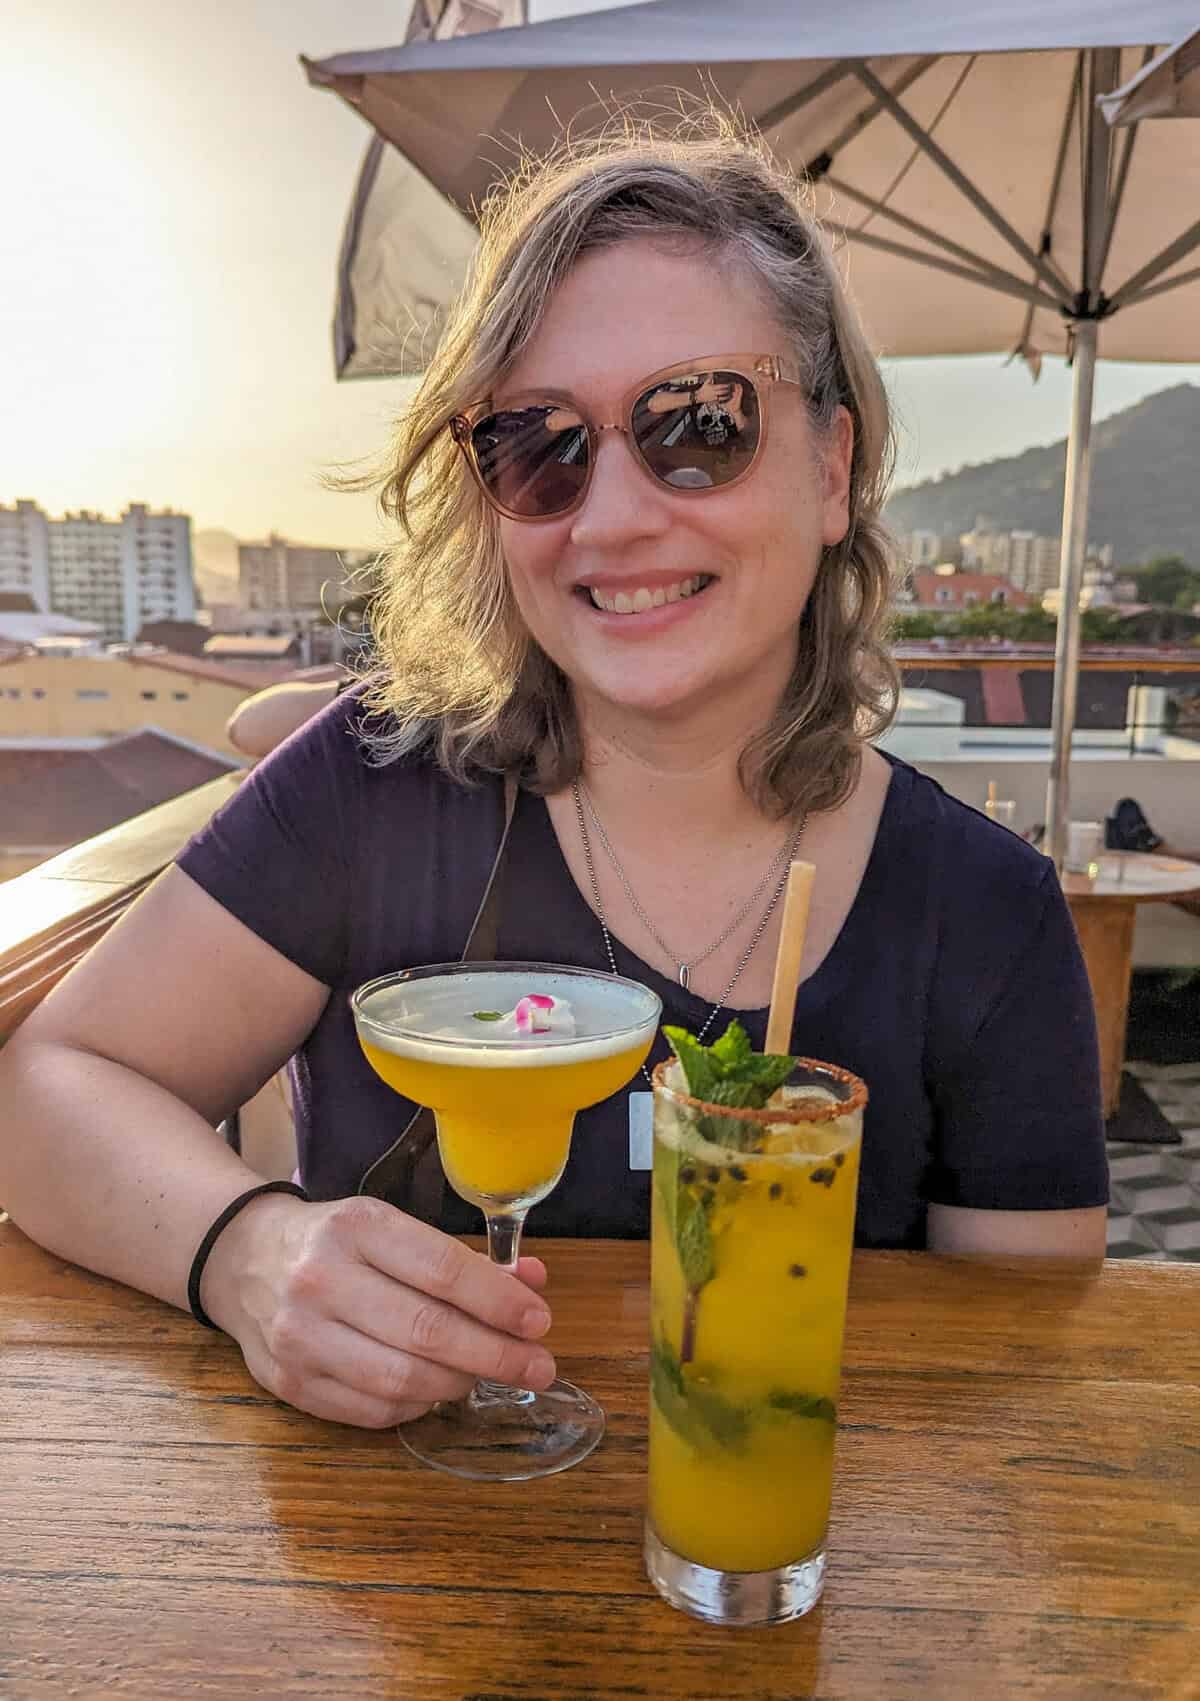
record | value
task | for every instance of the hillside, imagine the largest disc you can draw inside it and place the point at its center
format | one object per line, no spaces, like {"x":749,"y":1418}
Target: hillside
{"x":1145,"y":497}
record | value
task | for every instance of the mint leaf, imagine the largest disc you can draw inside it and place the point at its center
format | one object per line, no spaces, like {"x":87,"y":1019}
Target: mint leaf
{"x":699,"y":1070}
{"x":693,"y":1240}
{"x":698,"y":1415}
{"x":488,"y":1015}
{"x":733,"y":1050}
{"x":802,"y":1405}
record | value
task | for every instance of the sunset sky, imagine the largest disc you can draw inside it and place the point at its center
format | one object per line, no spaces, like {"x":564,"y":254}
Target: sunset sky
{"x":173,"y":201}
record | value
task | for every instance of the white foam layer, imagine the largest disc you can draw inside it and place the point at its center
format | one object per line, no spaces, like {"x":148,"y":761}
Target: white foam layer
{"x":432,"y":1020}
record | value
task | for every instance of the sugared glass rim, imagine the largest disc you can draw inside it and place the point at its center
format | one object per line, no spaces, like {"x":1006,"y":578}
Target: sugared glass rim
{"x":427,"y":971}
{"x":800,"y":1111}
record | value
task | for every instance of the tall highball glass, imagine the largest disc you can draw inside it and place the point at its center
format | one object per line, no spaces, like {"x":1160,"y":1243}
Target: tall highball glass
{"x":752,"y":1229}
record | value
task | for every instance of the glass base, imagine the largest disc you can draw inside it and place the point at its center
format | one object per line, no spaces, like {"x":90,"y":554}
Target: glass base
{"x":739,"y":1598}
{"x":499,"y":1434}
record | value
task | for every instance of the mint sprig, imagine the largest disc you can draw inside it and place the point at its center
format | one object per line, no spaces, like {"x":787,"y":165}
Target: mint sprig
{"x":700,"y":1415}
{"x":729,"y":1072}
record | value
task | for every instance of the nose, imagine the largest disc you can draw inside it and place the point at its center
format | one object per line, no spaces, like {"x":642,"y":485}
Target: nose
{"x":622,"y":502}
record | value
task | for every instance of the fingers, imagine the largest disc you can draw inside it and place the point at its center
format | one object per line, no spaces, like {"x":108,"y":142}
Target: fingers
{"x":532,"y":1272}
{"x":423,"y":1258}
{"x":392,"y":1315}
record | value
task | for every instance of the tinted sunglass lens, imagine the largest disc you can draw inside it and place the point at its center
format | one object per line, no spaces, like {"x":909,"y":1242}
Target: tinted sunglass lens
{"x":699,"y":430}
{"x":533,"y":461}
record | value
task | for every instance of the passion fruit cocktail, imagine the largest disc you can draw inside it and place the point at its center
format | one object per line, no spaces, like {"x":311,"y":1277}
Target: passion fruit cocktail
{"x":752,"y":1230}
{"x":505,"y":1054}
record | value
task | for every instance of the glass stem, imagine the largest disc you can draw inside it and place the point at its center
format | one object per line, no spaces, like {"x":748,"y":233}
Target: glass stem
{"x":504,"y":1244}
{"x":504,"y":1239}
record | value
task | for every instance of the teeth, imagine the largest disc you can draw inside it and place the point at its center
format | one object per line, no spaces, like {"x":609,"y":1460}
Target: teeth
{"x":641,"y":598}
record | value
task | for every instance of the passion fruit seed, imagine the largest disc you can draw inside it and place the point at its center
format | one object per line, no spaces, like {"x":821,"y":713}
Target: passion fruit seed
{"x":797,"y":1270}
{"x":775,"y":1191}
{"x":824,"y":1175}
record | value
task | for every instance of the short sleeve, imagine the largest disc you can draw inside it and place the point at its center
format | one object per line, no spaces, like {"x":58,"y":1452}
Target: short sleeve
{"x":1016,"y":1087}
{"x":274,"y":855}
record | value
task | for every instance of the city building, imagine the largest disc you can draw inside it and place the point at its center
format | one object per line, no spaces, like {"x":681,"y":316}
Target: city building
{"x":1030,"y":561}
{"x":282,"y":575}
{"x":25,"y":553}
{"x":57,"y":689}
{"x":953,"y":592}
{"x":118,"y":574}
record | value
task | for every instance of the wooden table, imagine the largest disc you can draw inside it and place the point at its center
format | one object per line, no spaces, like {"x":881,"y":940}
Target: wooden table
{"x":1105,"y":910}
{"x":1017,"y":1511}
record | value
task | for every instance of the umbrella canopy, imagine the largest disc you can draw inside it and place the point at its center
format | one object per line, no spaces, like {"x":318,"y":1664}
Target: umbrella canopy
{"x":960,"y":153}
{"x":877,"y":106}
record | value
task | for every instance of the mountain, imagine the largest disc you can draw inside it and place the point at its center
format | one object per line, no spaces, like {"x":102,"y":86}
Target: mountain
{"x":1145,"y":499}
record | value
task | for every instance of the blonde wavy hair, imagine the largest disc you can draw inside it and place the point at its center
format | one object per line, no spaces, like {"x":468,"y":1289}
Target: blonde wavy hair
{"x":458,"y":674}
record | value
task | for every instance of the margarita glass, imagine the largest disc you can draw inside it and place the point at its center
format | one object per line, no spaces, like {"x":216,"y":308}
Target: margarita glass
{"x":504,"y":1054}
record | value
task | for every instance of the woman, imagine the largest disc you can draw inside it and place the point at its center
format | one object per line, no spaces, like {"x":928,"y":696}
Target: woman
{"x":666,"y":620}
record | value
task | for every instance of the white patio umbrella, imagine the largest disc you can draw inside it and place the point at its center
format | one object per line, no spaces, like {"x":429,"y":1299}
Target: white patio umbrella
{"x":986,"y":205}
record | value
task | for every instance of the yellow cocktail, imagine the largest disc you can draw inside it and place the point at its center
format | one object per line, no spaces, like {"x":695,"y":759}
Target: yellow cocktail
{"x":505,"y":1132}
{"x":504,"y":1055}
{"x":752,"y":1230}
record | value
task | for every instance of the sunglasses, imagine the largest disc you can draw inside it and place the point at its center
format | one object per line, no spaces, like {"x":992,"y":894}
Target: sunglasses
{"x":694,"y":427}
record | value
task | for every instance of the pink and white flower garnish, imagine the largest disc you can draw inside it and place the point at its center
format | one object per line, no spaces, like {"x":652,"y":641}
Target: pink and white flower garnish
{"x":534,"y":1013}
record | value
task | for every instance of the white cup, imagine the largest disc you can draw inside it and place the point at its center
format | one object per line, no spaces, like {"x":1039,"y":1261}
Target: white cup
{"x":1085,"y":841}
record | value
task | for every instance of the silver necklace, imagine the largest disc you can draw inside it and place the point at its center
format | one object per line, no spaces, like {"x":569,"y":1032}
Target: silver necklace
{"x":790,"y":848}
{"x":779,"y":861}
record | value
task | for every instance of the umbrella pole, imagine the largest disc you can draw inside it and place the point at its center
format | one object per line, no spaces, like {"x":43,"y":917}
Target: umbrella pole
{"x":1074,"y":548}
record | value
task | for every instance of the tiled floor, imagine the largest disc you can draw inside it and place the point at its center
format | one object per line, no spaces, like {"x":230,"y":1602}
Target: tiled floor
{"x":1155,"y":1208}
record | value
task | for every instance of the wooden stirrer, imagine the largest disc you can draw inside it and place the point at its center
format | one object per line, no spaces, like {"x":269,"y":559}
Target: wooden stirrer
{"x":787,"y":958}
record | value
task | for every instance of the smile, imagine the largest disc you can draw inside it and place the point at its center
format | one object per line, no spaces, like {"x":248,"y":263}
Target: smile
{"x":641,"y":597}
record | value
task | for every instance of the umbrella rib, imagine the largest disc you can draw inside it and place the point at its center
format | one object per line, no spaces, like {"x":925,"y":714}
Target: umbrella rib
{"x":1003,"y":283}
{"x":986,"y":270}
{"x":1162,"y":288}
{"x":1118,"y":194}
{"x":793,"y":103}
{"x":959,"y":178}
{"x":1103,"y":68}
{"x":1131,"y":290}
{"x":873,"y":108}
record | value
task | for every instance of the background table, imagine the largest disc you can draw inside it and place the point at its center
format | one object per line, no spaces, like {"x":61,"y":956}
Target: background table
{"x":1105,"y":910}
{"x":1017,"y":1511}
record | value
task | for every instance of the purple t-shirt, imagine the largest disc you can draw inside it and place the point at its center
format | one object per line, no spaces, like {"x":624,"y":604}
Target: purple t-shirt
{"x":955,"y":988}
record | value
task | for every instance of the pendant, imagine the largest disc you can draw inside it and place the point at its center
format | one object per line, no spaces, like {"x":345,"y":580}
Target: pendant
{"x":684,"y":976}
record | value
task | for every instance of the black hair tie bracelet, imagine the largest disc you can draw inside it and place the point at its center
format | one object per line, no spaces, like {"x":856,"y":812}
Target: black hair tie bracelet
{"x":206,"y":1245}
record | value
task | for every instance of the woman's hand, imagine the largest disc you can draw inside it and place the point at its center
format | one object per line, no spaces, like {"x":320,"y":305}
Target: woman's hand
{"x":355,"y":1312}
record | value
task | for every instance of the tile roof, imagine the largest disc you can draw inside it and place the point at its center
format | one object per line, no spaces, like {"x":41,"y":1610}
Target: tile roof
{"x":55,"y":794}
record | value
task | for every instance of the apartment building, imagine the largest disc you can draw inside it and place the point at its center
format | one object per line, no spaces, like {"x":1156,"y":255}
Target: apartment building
{"x":118,"y":574}
{"x":25,"y":553}
{"x":279,"y":575}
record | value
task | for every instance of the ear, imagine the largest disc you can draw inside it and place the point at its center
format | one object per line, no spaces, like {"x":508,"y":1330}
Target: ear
{"x":837,"y":453}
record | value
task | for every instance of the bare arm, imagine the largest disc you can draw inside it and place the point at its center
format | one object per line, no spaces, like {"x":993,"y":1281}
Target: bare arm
{"x":1040,"y":1234}
{"x":261,"y":722}
{"x":112,"y":1089}
{"x":109,"y":1097}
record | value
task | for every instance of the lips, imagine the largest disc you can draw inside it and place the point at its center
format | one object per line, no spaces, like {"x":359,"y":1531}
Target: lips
{"x":636,"y":599}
